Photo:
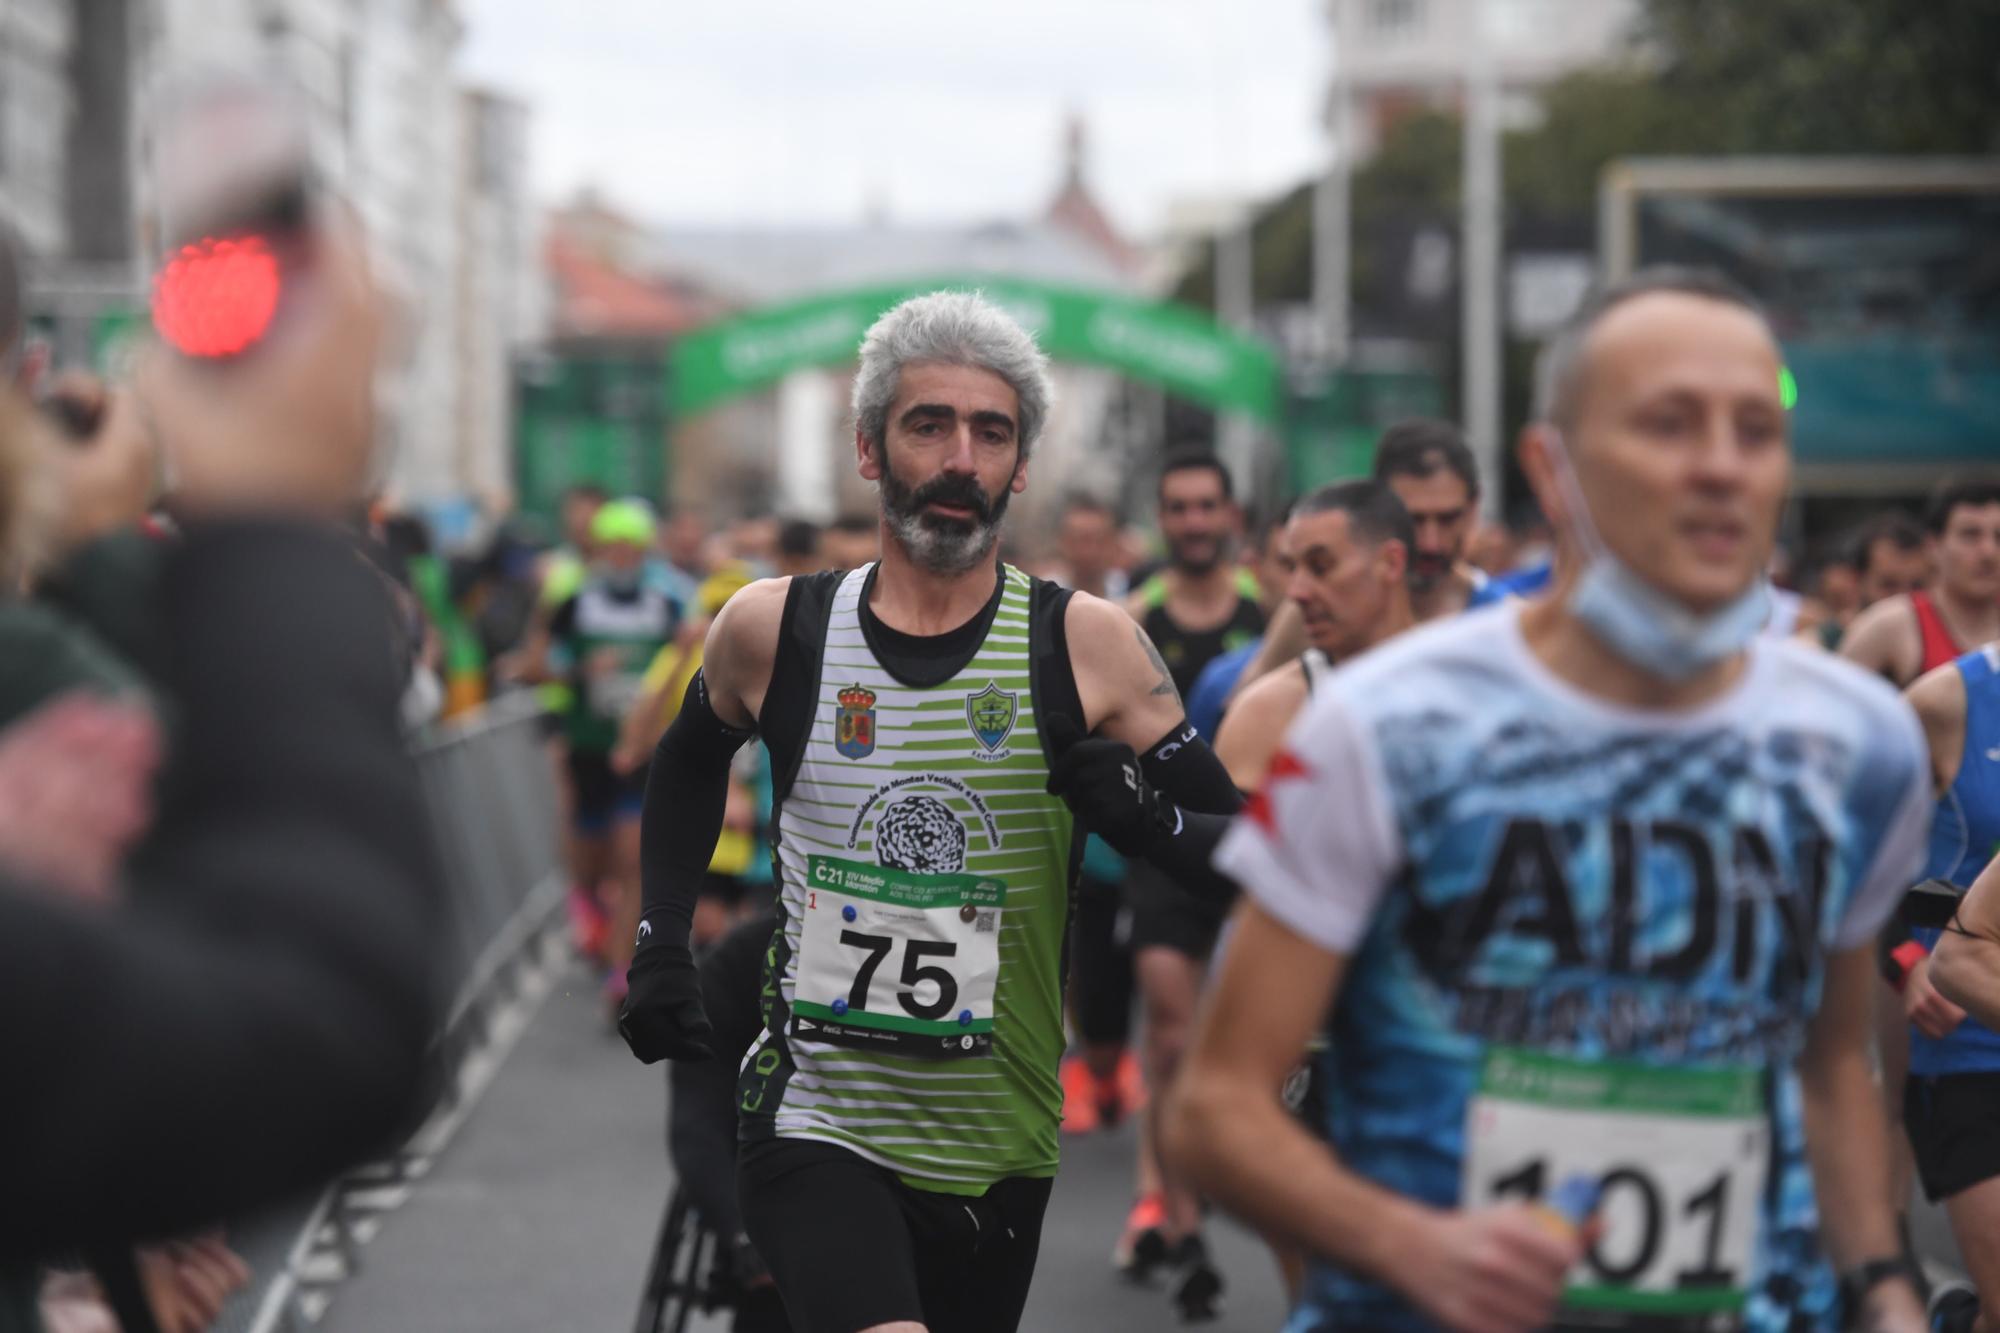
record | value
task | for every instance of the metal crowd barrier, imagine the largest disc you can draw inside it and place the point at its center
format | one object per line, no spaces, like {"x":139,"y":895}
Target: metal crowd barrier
{"x":490,"y":796}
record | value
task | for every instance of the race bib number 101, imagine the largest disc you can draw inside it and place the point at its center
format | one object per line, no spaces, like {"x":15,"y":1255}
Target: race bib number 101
{"x":898,"y":961}
{"x":1679,"y":1157}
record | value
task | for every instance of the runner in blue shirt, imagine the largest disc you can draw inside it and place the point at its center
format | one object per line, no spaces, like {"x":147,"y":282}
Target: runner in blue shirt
{"x":1581,"y":882}
{"x":1951,"y":1099}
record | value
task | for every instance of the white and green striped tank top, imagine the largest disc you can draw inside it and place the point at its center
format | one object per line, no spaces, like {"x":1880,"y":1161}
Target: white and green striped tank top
{"x":913,"y":1002}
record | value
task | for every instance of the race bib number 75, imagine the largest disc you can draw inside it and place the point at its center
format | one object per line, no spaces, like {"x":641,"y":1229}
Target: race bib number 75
{"x":896,"y":960}
{"x":1679,"y":1157}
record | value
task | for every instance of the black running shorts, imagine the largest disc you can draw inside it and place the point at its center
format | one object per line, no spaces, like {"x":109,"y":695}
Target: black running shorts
{"x":1165,"y":915}
{"x":1954,"y":1126}
{"x":851,"y":1246}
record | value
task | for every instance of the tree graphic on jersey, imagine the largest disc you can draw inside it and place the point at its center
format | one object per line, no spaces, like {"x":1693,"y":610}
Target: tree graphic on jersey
{"x":920,"y":833}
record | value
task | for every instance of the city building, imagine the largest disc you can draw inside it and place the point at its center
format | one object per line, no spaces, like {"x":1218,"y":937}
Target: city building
{"x":1394,"y":57}
{"x":436,"y":174}
{"x":35,"y":104}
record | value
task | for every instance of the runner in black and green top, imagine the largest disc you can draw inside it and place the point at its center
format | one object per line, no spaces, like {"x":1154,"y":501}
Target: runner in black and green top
{"x":899,"y":1111}
{"x":606,"y":634}
{"x":1197,"y":609}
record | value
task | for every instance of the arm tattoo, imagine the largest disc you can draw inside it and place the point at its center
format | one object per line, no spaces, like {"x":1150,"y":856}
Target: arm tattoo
{"x":1165,"y":685}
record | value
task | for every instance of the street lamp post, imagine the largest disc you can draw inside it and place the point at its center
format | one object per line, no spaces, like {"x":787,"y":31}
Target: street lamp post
{"x":1480,"y":274}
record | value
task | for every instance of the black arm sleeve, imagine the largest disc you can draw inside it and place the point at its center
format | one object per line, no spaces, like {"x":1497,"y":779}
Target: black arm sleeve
{"x":1186,"y":772}
{"x":687,"y":789}
{"x":1181,"y":766}
{"x":256,"y":1017}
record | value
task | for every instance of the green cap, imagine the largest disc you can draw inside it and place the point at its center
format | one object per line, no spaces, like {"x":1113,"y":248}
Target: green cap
{"x":622,"y":521}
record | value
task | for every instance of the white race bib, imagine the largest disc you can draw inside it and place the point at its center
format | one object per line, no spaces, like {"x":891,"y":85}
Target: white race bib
{"x":896,"y":960}
{"x":1679,"y":1157}
{"x":612,"y":696}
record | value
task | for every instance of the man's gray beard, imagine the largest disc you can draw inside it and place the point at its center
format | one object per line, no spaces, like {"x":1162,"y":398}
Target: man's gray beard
{"x":942,"y":551}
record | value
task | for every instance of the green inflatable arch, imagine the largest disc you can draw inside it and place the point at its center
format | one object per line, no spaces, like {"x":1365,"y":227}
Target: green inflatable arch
{"x":1175,"y":346}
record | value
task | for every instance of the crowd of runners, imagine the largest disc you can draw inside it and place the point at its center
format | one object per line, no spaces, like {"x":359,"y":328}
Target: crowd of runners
{"x":1543,"y":939}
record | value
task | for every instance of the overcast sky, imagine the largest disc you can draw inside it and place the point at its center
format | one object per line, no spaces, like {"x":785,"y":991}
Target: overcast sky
{"x":798,"y":112}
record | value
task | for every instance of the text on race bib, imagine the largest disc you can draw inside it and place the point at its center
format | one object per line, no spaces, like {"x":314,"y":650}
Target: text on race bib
{"x":895,"y":960}
{"x":1679,"y":1157}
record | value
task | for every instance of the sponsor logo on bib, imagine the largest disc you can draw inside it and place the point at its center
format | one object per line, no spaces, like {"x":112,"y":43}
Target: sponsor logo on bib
{"x":854,"y":723}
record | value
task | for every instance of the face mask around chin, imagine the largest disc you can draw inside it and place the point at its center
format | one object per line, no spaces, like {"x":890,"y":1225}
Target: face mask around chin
{"x":1656,"y":633}
{"x":1638,"y":622}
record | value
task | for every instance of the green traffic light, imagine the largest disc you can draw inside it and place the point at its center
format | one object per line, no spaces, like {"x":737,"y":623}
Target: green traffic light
{"x":1788,"y":388}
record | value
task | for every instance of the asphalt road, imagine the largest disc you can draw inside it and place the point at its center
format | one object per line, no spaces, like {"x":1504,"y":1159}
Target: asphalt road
{"x":541,"y":1214}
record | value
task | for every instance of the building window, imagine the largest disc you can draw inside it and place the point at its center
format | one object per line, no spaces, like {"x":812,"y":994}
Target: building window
{"x":1395,"y":18}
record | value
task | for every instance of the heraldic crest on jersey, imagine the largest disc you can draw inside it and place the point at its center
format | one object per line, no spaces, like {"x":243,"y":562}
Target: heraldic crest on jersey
{"x":854,"y":723}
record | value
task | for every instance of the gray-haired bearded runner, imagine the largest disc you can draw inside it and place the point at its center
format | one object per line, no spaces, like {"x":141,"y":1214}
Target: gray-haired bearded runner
{"x":924,"y":714}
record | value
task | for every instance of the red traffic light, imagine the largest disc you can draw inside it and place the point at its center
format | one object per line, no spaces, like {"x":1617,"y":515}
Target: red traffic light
{"x":216,"y":297}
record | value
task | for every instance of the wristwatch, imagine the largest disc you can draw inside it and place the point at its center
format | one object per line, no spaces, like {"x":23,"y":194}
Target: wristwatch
{"x":1858,"y":1281}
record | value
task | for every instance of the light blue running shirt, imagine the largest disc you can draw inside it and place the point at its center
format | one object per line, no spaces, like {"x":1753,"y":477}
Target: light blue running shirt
{"x":1587,"y":940}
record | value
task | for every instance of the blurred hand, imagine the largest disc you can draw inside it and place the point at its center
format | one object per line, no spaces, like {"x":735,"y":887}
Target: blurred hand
{"x":108,"y":462}
{"x":71,"y":1302}
{"x":1488,"y":1270}
{"x":76,"y":791}
{"x":289,"y":426}
{"x":1924,"y":1006}
{"x":188,"y":1282}
{"x":604,"y":662}
{"x":625,"y":759}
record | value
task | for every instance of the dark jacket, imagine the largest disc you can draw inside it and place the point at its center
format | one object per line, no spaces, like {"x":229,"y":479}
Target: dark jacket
{"x":255,"y":1017}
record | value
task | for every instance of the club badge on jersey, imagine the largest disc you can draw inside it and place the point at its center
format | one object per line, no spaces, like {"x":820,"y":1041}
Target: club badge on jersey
{"x":990,"y":713}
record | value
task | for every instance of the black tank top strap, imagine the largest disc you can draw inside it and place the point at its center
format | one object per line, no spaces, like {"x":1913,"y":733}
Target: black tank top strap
{"x":787,"y":717}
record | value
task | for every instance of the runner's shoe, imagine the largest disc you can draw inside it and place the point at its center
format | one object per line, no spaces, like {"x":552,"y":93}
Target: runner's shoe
{"x":615,"y":986}
{"x":588,"y":925}
{"x":1081,"y":1098}
{"x":1122,"y":1093}
{"x":1131,"y":1082}
{"x":1198,"y":1290}
{"x":1142,"y":1247}
{"x":1954,"y":1308}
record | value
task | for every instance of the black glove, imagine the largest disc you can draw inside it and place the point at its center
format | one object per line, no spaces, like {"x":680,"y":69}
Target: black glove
{"x":662,"y":1018}
{"x":1101,"y":782}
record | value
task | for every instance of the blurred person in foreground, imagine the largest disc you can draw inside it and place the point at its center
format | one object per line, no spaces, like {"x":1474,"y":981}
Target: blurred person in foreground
{"x":1588,"y":886}
{"x":76,"y":477}
{"x":271,"y":938}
